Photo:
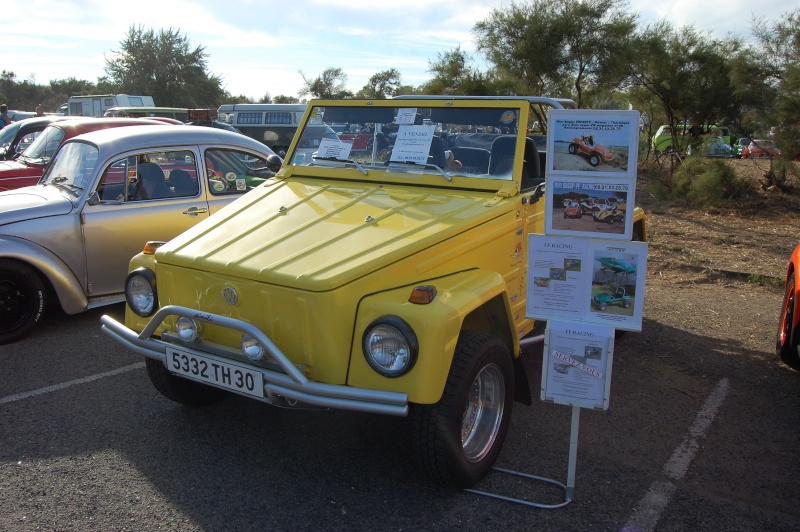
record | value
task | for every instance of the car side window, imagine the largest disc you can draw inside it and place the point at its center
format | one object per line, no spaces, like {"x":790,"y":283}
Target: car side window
{"x":150,"y":176}
{"x":234,"y":172}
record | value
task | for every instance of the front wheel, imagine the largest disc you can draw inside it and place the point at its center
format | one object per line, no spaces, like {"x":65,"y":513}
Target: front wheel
{"x":573,"y":148}
{"x":23,"y":300}
{"x":458,"y":439}
{"x":179,"y":389}
{"x":594,"y":159}
{"x":788,"y":339}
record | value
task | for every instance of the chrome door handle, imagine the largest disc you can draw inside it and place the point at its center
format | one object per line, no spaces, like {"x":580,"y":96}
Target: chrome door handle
{"x":194,"y":211}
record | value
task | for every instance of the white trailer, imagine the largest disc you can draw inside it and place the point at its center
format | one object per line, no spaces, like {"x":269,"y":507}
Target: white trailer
{"x":98,"y":104}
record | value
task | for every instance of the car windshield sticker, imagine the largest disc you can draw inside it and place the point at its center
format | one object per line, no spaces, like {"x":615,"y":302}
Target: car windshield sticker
{"x":413,"y":144}
{"x":406,"y":115}
{"x":508,"y":117}
{"x":334,"y":148}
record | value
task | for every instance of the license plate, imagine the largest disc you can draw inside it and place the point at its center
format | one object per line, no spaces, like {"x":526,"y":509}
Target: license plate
{"x":208,"y":370}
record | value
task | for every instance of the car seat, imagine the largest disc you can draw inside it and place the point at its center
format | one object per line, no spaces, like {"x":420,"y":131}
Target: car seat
{"x":151,"y":183}
{"x":182,"y":183}
{"x":436,"y":152}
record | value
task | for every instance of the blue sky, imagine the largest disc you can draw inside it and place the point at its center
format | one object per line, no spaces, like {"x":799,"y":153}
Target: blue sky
{"x":258,"y":46}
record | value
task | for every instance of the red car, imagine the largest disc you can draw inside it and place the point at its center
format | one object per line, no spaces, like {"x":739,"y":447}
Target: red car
{"x":572,"y":209}
{"x":28,"y":167}
{"x":759,"y":148}
{"x":585,"y":145}
{"x":789,"y":322}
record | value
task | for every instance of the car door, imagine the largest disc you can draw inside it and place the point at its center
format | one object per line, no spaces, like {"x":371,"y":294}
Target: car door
{"x":125,"y":214}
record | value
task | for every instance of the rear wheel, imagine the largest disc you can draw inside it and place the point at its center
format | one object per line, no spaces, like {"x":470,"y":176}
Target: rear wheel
{"x":458,"y":439}
{"x":23,"y":300}
{"x":179,"y":389}
{"x":573,"y":148}
{"x":788,"y":339}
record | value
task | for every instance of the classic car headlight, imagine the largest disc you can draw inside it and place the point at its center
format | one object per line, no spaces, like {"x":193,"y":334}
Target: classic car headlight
{"x":140,"y":291}
{"x":390,"y":346}
{"x":252,"y":348}
{"x":188,"y":330}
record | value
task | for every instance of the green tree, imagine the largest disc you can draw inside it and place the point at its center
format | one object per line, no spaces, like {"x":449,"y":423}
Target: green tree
{"x":780,"y":46}
{"x":165,"y":66}
{"x":687,"y":72}
{"x":328,"y":85}
{"x":454,"y":75}
{"x":552,"y":45}
{"x":282,"y":98}
{"x":381,"y":85}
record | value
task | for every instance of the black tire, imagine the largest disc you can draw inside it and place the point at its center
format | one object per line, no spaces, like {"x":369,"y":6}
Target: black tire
{"x":626,"y":304}
{"x":788,"y":338}
{"x":23,"y":300}
{"x":573,"y":148}
{"x":457,"y":440}
{"x":181,"y":390}
{"x":594,"y":159}
{"x":602,"y":305}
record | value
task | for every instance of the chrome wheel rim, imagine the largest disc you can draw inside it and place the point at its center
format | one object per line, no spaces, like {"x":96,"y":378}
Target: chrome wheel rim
{"x":483,"y":413}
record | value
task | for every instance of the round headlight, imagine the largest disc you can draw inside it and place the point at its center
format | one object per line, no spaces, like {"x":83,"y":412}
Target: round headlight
{"x":140,"y":291}
{"x":252,"y":348}
{"x":188,"y":330}
{"x":390,"y":346}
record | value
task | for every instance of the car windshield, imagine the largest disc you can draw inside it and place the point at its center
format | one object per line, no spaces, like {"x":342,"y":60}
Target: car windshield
{"x":462,"y":141}
{"x":8,"y":133}
{"x":72,"y":168}
{"x":42,"y":149}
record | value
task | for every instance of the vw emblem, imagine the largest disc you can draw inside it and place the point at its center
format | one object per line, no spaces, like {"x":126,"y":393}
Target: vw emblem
{"x":230,"y":295}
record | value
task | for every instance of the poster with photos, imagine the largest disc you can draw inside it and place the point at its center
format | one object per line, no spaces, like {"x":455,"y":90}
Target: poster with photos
{"x":586,"y":279}
{"x":576,"y":364}
{"x":592,"y":143}
{"x":599,"y":208}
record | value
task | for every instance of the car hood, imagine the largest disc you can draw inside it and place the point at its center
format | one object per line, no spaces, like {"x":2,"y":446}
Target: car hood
{"x":318,"y":235}
{"x":11,"y":169}
{"x":32,"y":202}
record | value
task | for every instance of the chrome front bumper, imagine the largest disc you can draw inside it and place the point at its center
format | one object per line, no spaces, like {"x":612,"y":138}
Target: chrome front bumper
{"x":290,"y":383}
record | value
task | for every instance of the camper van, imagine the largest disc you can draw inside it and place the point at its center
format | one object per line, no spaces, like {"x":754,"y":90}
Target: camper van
{"x":98,"y":104}
{"x":273,"y":124}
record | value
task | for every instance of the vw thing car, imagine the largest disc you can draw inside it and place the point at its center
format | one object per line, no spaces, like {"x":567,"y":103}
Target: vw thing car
{"x":392,"y":284}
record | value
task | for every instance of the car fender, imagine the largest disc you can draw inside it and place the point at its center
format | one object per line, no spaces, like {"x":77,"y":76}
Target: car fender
{"x":436,"y":325}
{"x":68,"y":288}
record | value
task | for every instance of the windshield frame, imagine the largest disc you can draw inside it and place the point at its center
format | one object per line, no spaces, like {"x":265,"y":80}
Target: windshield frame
{"x":45,"y":145}
{"x":73,"y":168}
{"x":435,"y":112}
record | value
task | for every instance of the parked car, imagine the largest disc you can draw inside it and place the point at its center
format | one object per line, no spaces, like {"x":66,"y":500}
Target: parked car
{"x":16,"y":116}
{"x":788,"y":342}
{"x":572,"y":209}
{"x":662,"y":140}
{"x":17,"y":136}
{"x":67,"y":240}
{"x":348,"y":281}
{"x":761,"y":149}
{"x":712,"y":147}
{"x":28,"y":167}
{"x":739,"y":145}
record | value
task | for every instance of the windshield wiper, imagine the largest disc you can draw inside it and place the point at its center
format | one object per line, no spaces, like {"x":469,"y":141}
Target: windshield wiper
{"x":338,"y":160}
{"x":424,"y":165}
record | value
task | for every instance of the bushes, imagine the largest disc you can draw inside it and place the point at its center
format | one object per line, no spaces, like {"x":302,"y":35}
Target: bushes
{"x":706,"y":182}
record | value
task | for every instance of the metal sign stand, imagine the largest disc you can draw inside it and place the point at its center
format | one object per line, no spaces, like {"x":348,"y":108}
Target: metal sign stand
{"x":569,"y":489}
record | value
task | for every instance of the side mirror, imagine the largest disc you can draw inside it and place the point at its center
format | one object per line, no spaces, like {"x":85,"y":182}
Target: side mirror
{"x":94,"y":198}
